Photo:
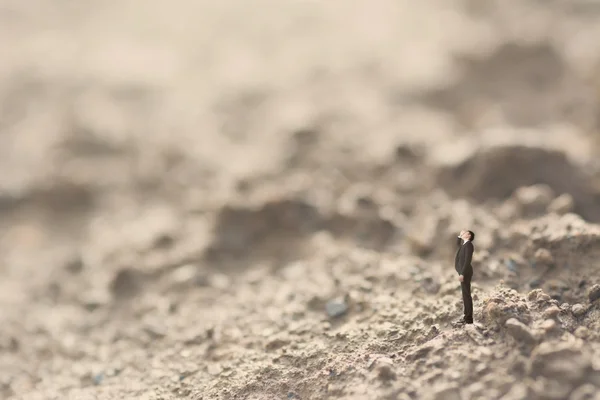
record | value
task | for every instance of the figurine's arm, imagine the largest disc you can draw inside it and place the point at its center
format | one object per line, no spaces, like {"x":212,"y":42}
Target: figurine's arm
{"x":458,"y":241}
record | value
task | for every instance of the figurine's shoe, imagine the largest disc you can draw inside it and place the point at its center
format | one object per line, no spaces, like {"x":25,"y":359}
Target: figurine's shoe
{"x":462,"y":321}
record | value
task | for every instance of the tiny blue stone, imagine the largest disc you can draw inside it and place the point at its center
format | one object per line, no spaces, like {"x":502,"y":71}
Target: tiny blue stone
{"x":98,"y":379}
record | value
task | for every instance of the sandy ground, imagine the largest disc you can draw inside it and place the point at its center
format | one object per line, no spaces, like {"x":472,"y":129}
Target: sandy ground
{"x":259,"y":199}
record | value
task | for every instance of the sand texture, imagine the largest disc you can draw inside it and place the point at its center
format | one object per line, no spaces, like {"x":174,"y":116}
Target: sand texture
{"x":257,"y":200}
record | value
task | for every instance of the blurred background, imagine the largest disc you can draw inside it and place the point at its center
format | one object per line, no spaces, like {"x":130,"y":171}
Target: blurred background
{"x":205,"y":139}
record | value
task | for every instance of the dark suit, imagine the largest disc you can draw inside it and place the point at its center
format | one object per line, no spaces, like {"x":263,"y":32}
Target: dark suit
{"x":462,"y":264}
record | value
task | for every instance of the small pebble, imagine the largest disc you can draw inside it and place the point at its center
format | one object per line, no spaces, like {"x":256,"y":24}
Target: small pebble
{"x":184,"y":274}
{"x":511,"y":265}
{"x":74,"y":265}
{"x":534,"y":198}
{"x":219,"y":281}
{"x":126,"y":283}
{"x":11,"y":344}
{"x":336,"y":308}
{"x":111,"y":372}
{"x":430,"y":285}
{"x":578,"y":310}
{"x":276,"y":344}
{"x":405,"y":152}
{"x":476,"y":389}
{"x":163,"y":241}
{"x":98,"y":378}
{"x":155,"y":331}
{"x":594,"y":293}
{"x":549,"y":325}
{"x":95,"y":299}
{"x":519,"y":331}
{"x":534,"y":294}
{"x":543,"y":256}
{"x":543,"y":298}
{"x":582,"y":332}
{"x":434,"y":330}
{"x":562,"y":204}
{"x":551,"y":312}
{"x":384,"y":367}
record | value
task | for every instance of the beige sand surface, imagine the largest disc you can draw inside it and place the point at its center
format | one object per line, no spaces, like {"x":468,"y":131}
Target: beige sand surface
{"x":189,"y":190}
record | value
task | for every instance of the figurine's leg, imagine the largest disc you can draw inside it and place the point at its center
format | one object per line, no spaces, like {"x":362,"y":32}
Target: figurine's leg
{"x":467,"y":301}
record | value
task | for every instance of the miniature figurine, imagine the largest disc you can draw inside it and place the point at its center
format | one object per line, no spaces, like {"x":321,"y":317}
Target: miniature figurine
{"x":462,"y":264}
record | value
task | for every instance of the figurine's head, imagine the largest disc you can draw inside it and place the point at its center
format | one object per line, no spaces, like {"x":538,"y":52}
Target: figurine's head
{"x":467,"y":235}
{"x":471,"y":235}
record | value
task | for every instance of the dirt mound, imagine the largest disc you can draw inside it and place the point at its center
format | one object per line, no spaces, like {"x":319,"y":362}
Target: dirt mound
{"x":556,"y":254}
{"x":279,"y":231}
{"x":530,"y":84}
{"x":275,"y":230}
{"x":496,"y":173}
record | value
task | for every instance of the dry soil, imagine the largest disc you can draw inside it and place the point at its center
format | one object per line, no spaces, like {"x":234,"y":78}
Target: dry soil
{"x":260,"y":199}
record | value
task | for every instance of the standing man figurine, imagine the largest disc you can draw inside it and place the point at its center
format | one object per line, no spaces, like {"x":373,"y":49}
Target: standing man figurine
{"x":462,"y":264}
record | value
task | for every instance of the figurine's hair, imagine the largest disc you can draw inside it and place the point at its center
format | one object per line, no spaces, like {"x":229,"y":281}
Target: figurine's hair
{"x":472,"y":235}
